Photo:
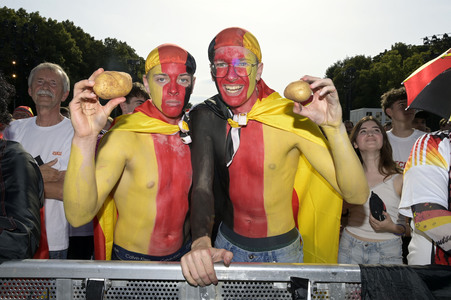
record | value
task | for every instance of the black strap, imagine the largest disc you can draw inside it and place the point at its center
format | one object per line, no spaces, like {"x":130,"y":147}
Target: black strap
{"x":95,"y":289}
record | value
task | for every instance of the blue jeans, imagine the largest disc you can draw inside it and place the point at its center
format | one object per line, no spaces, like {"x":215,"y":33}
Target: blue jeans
{"x":120,"y":253}
{"x":61,"y":254}
{"x":288,"y":254}
{"x":355,"y":251}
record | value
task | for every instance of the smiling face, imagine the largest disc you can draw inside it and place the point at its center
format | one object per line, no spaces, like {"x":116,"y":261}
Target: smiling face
{"x":47,"y":89}
{"x":369,"y":137}
{"x":237,"y":90}
{"x":170,"y":87}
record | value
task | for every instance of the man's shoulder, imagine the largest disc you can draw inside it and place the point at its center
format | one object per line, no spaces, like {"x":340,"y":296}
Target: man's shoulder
{"x":16,"y":127}
{"x":120,"y":138}
{"x":417,"y":133}
{"x":209,"y":111}
{"x":66,"y":123}
{"x":438,"y":137}
{"x":22,"y":123}
{"x":413,"y":136}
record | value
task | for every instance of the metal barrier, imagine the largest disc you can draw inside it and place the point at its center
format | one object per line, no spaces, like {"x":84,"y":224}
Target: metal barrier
{"x":74,"y":279}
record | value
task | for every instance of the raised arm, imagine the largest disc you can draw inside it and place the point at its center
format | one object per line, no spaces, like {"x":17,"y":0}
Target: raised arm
{"x":81,"y":197}
{"x":347,"y":176}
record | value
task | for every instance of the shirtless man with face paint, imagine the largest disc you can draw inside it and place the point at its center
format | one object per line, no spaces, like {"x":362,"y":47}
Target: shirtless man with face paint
{"x":251,"y":149}
{"x":142,"y":162}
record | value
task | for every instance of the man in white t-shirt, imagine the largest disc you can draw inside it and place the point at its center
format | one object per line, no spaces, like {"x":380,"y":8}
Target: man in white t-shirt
{"x":402,"y":135}
{"x":47,"y":137}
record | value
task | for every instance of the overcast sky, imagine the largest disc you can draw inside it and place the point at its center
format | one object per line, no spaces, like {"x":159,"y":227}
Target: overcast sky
{"x":297,"y":37}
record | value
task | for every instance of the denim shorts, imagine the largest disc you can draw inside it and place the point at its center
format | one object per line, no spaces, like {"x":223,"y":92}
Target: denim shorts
{"x":289,"y":254}
{"x":355,"y":251}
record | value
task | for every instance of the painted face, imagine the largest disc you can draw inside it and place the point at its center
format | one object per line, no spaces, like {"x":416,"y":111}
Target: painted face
{"x":170,"y":87}
{"x":369,"y":137}
{"x":235,"y":89}
{"x":47,"y":89}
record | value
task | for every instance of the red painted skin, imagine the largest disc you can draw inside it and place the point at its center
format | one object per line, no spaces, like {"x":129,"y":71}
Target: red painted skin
{"x":247,"y":183}
{"x":173,"y":159}
{"x":247,"y":171}
{"x":174,"y":172}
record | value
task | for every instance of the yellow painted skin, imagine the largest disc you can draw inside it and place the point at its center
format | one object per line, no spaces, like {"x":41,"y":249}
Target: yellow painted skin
{"x":133,"y":181}
{"x":264,"y":211}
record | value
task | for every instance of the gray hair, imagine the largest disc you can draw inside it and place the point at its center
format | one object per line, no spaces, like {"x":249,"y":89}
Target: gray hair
{"x":55,"y":68}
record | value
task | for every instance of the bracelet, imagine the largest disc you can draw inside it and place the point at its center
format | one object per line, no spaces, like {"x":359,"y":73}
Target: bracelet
{"x":399,"y":234}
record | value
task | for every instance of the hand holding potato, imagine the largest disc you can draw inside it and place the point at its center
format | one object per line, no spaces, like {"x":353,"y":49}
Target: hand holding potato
{"x":325,"y":108}
{"x":112,"y":84}
{"x":88,"y":116}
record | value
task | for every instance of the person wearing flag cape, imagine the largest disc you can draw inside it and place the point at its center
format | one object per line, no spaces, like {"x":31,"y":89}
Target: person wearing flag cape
{"x":138,"y":182}
{"x":264,"y":168}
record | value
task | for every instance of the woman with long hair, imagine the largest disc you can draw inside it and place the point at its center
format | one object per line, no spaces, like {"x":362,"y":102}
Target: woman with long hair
{"x":369,"y":239}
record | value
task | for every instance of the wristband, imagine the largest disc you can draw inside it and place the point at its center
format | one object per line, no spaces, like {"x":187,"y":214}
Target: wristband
{"x":399,"y":234}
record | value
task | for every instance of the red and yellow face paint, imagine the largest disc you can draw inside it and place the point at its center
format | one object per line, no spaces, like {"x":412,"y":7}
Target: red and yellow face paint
{"x":229,"y":46}
{"x":236,"y":89}
{"x":170,"y":70}
{"x":170,"y":87}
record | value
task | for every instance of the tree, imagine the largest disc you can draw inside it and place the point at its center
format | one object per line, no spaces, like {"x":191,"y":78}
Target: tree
{"x":361,"y":80}
{"x":27,"y":39}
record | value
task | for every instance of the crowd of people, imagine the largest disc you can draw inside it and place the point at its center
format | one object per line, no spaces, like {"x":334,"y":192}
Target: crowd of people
{"x":245,"y":176}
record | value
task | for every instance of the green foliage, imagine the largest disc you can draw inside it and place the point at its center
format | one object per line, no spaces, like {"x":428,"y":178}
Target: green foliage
{"x":361,"y":80}
{"x":29,"y":39}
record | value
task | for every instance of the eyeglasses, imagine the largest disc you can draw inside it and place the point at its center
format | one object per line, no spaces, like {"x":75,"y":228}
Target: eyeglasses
{"x":241,"y":68}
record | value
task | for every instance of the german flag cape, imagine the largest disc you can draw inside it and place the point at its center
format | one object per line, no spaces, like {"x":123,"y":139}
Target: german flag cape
{"x":143,"y":120}
{"x":319,"y":213}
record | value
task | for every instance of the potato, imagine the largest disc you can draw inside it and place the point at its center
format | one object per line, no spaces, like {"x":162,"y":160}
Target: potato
{"x":112,"y":84}
{"x":298,"y":91}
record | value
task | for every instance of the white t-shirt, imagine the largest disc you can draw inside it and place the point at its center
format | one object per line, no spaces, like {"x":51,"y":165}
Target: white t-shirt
{"x":402,"y":146}
{"x":48,"y":143}
{"x":426,"y":180}
{"x":358,"y":220}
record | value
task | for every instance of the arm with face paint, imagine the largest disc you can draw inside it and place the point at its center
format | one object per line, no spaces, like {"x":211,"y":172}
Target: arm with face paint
{"x":197,"y":265}
{"x":81,"y":201}
{"x":325,"y":110}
